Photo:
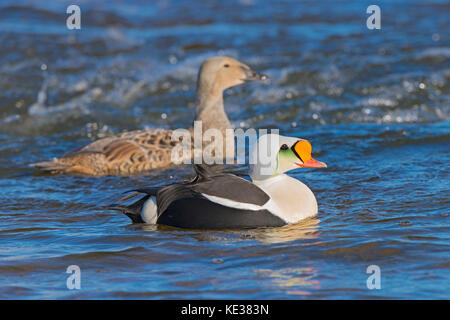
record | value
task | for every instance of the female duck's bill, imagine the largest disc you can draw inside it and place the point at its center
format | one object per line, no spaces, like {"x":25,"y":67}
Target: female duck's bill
{"x":219,"y":201}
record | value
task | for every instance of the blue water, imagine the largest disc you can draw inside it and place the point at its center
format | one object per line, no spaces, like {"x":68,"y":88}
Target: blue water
{"x":375,"y":105}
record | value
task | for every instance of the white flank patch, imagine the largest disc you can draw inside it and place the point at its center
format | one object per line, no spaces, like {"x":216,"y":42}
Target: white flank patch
{"x":232,"y":204}
{"x":269,"y":205}
{"x":149,"y":211}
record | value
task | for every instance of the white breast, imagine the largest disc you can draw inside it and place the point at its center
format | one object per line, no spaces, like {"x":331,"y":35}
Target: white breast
{"x":291,"y":200}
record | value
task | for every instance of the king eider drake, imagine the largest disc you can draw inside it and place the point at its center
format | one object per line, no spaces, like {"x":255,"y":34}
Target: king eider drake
{"x":141,"y":150}
{"x":217,"y":201}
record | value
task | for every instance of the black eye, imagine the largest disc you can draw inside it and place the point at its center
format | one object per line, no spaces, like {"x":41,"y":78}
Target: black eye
{"x":226,"y":65}
{"x":284,"y":147}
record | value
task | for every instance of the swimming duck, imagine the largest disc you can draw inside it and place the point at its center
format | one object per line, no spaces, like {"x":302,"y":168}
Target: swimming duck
{"x":136,"y":151}
{"x":223,"y":200}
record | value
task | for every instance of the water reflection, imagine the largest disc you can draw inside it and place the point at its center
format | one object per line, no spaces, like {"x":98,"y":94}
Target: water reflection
{"x":295,"y":281}
{"x":306,"y":229}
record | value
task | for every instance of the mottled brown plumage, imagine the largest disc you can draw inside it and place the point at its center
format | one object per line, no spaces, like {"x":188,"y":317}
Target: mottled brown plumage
{"x":141,"y":150}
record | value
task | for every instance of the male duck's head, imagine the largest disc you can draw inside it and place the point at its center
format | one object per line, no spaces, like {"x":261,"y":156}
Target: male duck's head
{"x":220,"y":73}
{"x":275,"y":154}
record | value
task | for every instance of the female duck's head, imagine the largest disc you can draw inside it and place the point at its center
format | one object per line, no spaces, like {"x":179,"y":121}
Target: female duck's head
{"x":274,"y":154}
{"x":220,"y":73}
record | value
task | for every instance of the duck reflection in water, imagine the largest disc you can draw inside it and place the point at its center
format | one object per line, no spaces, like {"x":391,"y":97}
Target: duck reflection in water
{"x":305,"y":229}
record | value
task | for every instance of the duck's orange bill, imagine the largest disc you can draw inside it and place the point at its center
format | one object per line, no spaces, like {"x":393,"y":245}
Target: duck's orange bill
{"x":312,"y":163}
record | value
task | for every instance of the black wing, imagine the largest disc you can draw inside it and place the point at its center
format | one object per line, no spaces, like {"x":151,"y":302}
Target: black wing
{"x":225,"y":186}
{"x":184,"y":205}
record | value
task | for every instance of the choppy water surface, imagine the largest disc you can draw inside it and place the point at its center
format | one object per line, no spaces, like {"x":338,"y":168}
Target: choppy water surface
{"x":374,"y":104}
